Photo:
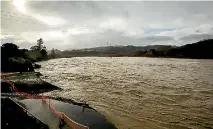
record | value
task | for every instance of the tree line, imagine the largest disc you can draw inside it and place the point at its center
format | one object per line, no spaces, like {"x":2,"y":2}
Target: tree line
{"x":22,"y":60}
{"x":199,"y":50}
{"x":15,"y":59}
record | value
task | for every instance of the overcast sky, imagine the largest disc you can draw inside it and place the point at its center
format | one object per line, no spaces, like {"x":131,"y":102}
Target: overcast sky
{"x":68,"y":25}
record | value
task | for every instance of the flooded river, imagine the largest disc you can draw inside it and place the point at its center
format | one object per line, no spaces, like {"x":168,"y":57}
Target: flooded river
{"x":138,"y":93}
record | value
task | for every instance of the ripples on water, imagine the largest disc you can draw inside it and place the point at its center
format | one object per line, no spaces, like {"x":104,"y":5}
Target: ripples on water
{"x":138,"y":93}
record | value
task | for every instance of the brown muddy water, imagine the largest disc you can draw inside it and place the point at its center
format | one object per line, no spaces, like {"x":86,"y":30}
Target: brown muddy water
{"x":138,"y":93}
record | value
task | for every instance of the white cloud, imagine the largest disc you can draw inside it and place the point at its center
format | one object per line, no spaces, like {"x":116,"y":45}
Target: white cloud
{"x":179,"y":33}
{"x":49,"y":35}
{"x":90,"y":24}
{"x":20,"y":5}
{"x":6,"y":36}
{"x":81,"y":30}
{"x":49,"y":20}
{"x":114,"y":23}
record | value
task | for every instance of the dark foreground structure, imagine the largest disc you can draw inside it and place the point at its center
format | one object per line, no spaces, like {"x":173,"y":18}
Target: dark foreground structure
{"x":39,"y":113}
{"x":15,"y":117}
{"x":83,"y":115}
{"x":34,"y":114}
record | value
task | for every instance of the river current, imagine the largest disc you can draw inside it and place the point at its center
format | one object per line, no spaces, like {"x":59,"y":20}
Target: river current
{"x":138,"y":93}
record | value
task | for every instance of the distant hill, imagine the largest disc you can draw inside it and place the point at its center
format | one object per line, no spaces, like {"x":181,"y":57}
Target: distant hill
{"x":128,"y":49}
{"x":200,"y":50}
{"x":111,"y":51}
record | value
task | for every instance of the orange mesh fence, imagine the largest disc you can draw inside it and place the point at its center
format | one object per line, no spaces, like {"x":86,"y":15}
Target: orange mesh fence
{"x":73,"y":123}
{"x":61,"y":115}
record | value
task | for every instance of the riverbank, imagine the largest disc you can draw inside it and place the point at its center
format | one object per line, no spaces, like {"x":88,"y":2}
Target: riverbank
{"x":31,"y":82}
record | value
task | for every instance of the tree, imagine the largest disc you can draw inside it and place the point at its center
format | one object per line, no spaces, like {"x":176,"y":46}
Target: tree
{"x":52,"y":55}
{"x":10,"y":50}
{"x":154,"y":52}
{"x":43,"y":54}
{"x":34,"y":48}
{"x":39,"y":51}
{"x":14,"y":59}
{"x":138,"y":53}
{"x":39,"y":44}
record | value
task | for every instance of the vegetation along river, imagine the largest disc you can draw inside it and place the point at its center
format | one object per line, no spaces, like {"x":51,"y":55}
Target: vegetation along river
{"x":138,"y":93}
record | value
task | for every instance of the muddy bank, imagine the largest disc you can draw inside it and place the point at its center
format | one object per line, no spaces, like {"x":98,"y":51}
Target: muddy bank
{"x":29,"y":82}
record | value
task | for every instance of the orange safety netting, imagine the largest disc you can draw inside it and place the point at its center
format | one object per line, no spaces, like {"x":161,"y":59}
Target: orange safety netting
{"x":61,"y":115}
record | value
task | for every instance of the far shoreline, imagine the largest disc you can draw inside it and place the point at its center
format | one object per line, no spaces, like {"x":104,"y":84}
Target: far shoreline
{"x":127,"y":56}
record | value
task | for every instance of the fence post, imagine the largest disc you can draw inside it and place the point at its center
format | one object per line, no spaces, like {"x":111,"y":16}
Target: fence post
{"x":49,"y":102}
